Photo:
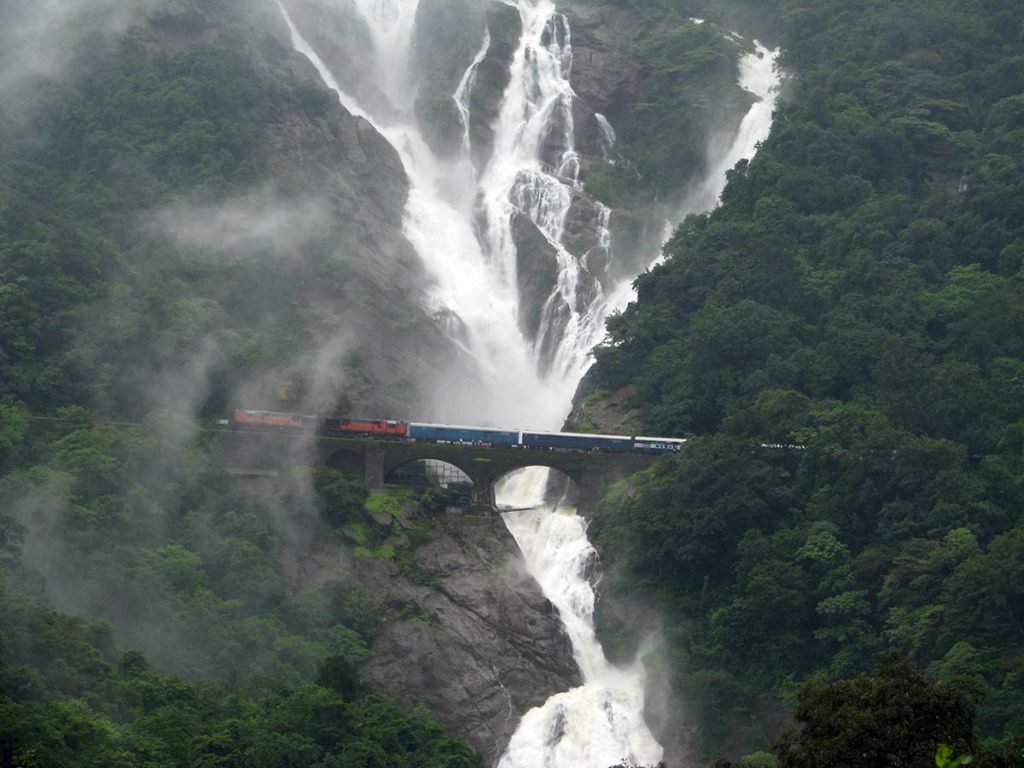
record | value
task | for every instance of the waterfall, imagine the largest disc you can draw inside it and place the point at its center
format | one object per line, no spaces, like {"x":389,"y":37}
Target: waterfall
{"x":601,"y":722}
{"x":464,"y":89}
{"x":462,"y":226}
{"x":758,"y":75}
{"x":535,"y":172}
{"x":607,"y":136}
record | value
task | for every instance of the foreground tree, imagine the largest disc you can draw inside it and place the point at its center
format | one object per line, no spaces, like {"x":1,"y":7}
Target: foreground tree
{"x":895,"y":717}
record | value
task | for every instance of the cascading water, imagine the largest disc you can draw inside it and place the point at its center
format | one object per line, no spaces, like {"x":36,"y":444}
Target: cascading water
{"x":439,"y":223}
{"x":758,"y":75}
{"x":461,"y":225}
{"x":462,"y":92}
{"x":601,"y":723}
{"x":535,"y":172}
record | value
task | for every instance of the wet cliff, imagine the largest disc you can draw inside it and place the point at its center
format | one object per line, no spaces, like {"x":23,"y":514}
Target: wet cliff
{"x":463,"y":628}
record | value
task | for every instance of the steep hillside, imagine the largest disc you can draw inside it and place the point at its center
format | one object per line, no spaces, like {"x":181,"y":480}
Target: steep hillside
{"x":188,"y":218}
{"x":842,"y":340}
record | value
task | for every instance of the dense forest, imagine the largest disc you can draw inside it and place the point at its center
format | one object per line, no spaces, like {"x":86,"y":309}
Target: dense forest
{"x":133,"y":529}
{"x":842,"y":340}
{"x":121,"y":525}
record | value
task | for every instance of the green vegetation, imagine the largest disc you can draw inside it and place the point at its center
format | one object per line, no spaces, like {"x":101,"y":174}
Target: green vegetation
{"x":108,"y":311}
{"x":686,"y":90}
{"x":68,"y":699}
{"x":150,"y":251}
{"x":121,"y":140}
{"x":132,"y":526}
{"x":843,"y":338}
{"x":891,"y":717}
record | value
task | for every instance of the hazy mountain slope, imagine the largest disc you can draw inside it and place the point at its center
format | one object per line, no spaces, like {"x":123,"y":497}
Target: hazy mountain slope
{"x":186,"y":209}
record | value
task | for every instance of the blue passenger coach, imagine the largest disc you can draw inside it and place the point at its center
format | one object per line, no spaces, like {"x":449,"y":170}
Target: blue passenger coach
{"x":450,"y":433}
{"x":655,"y":446}
{"x":576,"y":441}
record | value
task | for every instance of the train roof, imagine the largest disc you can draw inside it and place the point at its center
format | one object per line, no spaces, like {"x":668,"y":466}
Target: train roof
{"x":276,"y":413}
{"x":463,"y":426}
{"x":663,"y":439}
{"x":364,"y":418}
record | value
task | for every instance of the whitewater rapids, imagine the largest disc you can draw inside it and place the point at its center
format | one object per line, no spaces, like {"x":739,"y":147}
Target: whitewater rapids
{"x":599,"y":723}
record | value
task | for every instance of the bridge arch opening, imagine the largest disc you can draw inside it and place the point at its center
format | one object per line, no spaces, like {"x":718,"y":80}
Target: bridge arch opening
{"x":432,"y":473}
{"x":534,"y":486}
{"x":344,"y":460}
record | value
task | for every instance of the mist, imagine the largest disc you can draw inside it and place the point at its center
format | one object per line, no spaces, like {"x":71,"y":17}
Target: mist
{"x":261,"y":223}
{"x":39,"y":39}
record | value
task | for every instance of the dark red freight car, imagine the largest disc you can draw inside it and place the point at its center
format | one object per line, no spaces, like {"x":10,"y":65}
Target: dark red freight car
{"x":272,"y":419}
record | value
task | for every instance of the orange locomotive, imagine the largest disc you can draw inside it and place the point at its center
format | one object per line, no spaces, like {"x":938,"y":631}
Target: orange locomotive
{"x":382,"y":427}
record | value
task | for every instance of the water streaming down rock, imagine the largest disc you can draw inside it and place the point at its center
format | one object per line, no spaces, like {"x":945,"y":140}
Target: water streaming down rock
{"x":608,"y":138}
{"x":439,"y":222}
{"x":469,"y":230}
{"x":534,"y":172}
{"x":601,"y":723}
{"x":759,"y":75}
{"x":461,"y":95}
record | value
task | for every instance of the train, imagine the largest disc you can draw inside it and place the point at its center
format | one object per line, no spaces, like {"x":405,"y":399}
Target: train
{"x":453,"y":434}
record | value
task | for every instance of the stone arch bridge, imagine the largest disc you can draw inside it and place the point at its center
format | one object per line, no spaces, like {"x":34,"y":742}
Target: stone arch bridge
{"x":376,"y":459}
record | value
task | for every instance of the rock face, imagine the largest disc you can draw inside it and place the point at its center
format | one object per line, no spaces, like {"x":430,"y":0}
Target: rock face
{"x":448,"y":35}
{"x":606,"y":412}
{"x":472,"y":637}
{"x":351,"y":53}
{"x":536,"y":272}
{"x":605,"y":70}
{"x":492,"y":77}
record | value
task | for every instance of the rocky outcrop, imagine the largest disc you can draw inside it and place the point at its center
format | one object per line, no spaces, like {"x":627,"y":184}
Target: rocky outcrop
{"x":536,"y":272}
{"x":317,"y":153}
{"x":339,"y":34}
{"x":605,"y":72}
{"x":336,"y":263}
{"x":449,"y":34}
{"x":610,"y":413}
{"x":178,"y":26}
{"x":492,"y":77}
{"x":471,"y":635}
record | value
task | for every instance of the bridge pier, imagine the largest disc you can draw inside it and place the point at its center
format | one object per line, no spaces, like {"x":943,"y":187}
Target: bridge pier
{"x":373,"y":466}
{"x":482,"y":475}
{"x":593,"y":481}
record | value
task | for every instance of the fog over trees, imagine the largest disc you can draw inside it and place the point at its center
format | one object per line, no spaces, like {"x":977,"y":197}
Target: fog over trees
{"x":831,"y":572}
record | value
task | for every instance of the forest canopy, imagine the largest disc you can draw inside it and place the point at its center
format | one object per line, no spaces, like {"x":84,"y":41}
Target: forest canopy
{"x":843,"y":340}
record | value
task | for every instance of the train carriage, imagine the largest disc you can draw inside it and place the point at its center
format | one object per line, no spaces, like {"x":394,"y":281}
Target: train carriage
{"x":455,"y":434}
{"x":451,"y":433}
{"x":577,"y":441}
{"x":656,"y":446}
{"x":272,"y":419}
